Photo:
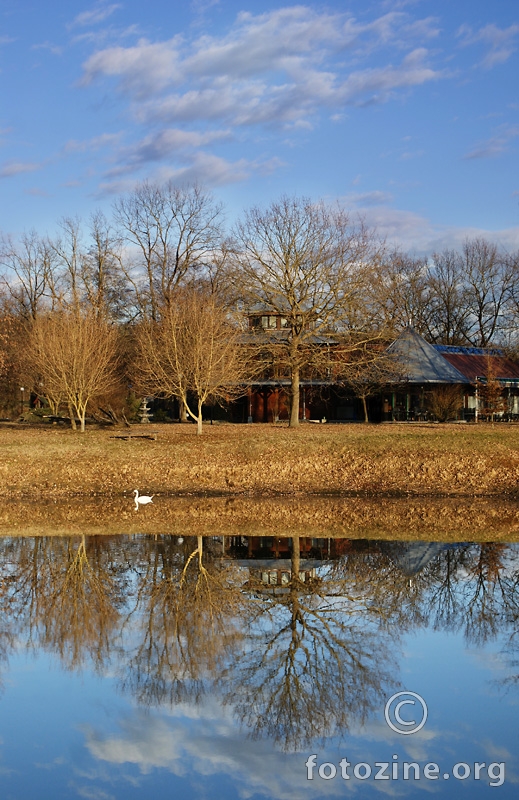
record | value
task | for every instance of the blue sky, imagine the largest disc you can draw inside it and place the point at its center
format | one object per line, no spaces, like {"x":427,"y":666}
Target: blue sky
{"x":407,"y":111}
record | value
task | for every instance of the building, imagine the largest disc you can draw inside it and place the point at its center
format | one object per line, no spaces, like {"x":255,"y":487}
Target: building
{"x":427,"y":376}
{"x":469,"y":371}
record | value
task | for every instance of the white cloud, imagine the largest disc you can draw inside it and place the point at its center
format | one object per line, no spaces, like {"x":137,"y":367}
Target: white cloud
{"x":13,"y":168}
{"x":413,"y":232}
{"x":279,"y":66}
{"x":96,"y":143}
{"x":201,"y":6}
{"x":143,"y":68}
{"x":56,"y":50}
{"x":198,"y":167}
{"x":375,"y":198}
{"x":207,"y":743}
{"x":94,"y":16}
{"x":281,"y":69}
{"x":502,"y":43}
{"x":164,"y":145}
{"x":496,"y":145}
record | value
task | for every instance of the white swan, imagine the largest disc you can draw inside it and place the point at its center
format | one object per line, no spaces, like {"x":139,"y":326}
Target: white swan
{"x":143,"y":500}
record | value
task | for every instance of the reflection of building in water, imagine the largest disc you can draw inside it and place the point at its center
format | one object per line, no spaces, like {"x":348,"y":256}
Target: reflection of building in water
{"x":275,"y":577}
{"x":271,"y":562}
{"x":412,"y":557}
{"x":254,"y":547}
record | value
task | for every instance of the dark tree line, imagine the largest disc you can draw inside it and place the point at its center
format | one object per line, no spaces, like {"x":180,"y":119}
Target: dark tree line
{"x":148,"y":292}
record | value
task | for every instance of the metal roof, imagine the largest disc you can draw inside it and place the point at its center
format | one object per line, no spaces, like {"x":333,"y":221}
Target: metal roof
{"x":468,"y":351}
{"x":475,"y":365}
{"x":420,"y":362}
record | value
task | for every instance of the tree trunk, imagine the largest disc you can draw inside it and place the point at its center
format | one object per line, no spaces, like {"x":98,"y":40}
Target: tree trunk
{"x":199,"y":419}
{"x":365,"y":407}
{"x":294,"y":398}
{"x":72,"y":416}
{"x":182,"y":413}
{"x":296,"y":558}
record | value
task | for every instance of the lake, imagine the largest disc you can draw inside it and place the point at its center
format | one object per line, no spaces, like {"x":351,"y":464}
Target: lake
{"x":244,"y":666}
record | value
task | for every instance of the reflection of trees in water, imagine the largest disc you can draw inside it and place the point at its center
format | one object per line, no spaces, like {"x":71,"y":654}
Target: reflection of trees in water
{"x":511,"y":656}
{"x":66,"y":596}
{"x":186,"y":620}
{"x":81,"y":611}
{"x":474,"y":591}
{"x":315,"y":662}
{"x":7,"y":638}
{"x":296,"y":665}
{"x":468,"y":588}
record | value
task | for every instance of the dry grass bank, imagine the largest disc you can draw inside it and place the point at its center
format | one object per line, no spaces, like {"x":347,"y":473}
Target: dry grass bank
{"x":411,"y":519}
{"x":263,"y":460}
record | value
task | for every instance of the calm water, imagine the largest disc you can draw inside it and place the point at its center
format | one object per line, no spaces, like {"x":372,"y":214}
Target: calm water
{"x":166,"y":667}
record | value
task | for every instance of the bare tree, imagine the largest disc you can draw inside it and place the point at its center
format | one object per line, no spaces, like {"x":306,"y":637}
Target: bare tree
{"x":489,"y":277}
{"x":88,"y":269}
{"x":445,"y":402}
{"x":67,"y":248}
{"x":490,"y":391}
{"x":193,"y":350}
{"x":75,"y":354}
{"x":174,"y":233}
{"x":28,"y":268}
{"x":367,"y":372}
{"x":513,"y":303}
{"x":303,"y":261}
{"x":6,"y":328}
{"x":448,"y":321}
{"x":399,"y":293}
{"x":106,"y":287}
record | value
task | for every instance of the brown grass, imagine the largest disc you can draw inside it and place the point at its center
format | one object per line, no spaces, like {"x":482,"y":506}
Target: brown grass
{"x":384,"y":481}
{"x":258,"y":460}
{"x":412,"y":519}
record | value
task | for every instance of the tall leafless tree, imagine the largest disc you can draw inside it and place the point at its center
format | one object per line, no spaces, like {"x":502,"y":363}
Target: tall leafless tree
{"x":489,"y":277}
{"x":27,"y":273}
{"x":399,"y":293}
{"x":193,"y":350}
{"x":75,"y":356}
{"x":305,"y":262}
{"x":449,"y":313}
{"x":172,"y":233}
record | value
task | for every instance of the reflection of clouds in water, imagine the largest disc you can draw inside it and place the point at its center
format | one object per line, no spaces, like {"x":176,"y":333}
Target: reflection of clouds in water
{"x":492,"y":662}
{"x":416,"y":747}
{"x":199,"y":744}
{"x":204,"y":741}
{"x":92,"y":793}
{"x":494,"y":752}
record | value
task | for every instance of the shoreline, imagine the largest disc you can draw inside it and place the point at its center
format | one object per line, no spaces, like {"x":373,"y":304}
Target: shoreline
{"x":443,"y":483}
{"x":411,"y":519}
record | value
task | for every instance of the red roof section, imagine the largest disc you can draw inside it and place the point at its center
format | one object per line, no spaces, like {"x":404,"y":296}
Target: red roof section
{"x":477,"y":366}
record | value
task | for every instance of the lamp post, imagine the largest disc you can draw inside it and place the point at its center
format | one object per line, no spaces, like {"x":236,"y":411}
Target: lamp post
{"x":22,"y":390}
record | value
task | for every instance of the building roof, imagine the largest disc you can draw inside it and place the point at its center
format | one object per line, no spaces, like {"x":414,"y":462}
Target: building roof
{"x":476,"y":362}
{"x":273,"y":336}
{"x":412,"y":557}
{"x":420,"y":362}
